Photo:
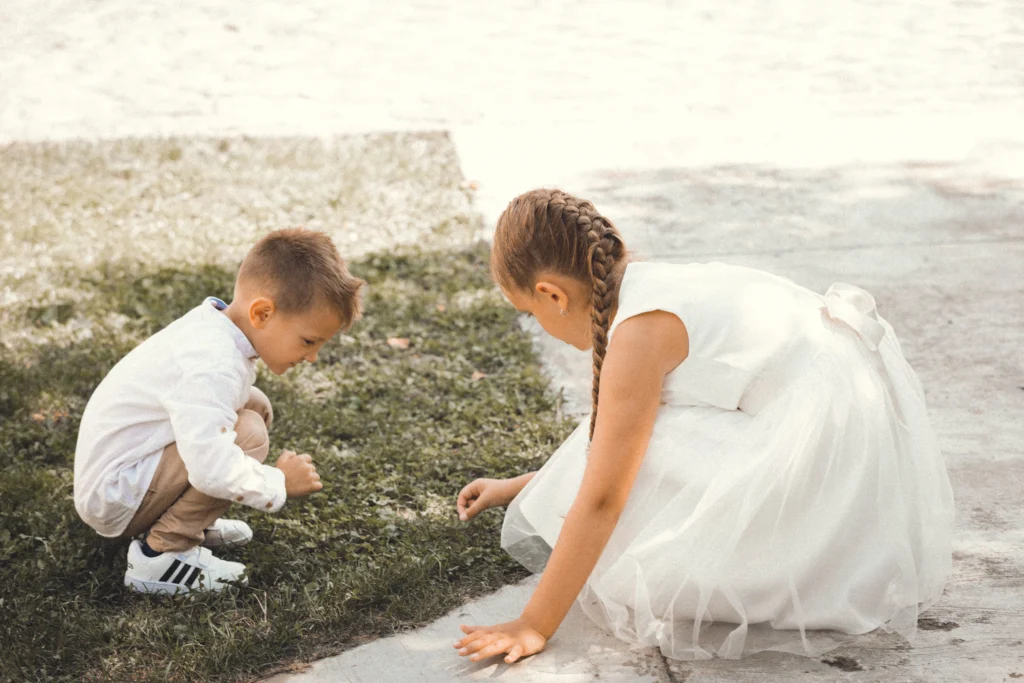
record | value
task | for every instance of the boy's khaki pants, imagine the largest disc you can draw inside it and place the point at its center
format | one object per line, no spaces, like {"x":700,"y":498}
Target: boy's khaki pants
{"x":176,"y":514}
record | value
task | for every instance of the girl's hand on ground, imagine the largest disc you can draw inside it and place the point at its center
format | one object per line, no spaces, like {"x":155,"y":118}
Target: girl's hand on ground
{"x":300,"y":475}
{"x":481,"y":494}
{"x":517,"y":638}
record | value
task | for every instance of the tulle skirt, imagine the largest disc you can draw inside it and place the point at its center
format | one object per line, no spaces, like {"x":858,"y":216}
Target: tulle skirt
{"x":826,"y":514}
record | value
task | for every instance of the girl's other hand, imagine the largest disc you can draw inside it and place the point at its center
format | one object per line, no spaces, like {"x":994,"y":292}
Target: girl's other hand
{"x":481,"y":494}
{"x":517,"y":638}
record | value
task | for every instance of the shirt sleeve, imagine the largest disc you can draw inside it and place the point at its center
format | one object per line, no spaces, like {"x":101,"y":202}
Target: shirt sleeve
{"x":203,"y":419}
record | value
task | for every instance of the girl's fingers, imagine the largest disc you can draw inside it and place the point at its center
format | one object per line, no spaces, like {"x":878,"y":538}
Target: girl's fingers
{"x":498,"y":646}
{"x":476,"y":508}
{"x":463,"y":507}
{"x":478,"y":644}
{"x":515,"y":653}
{"x":472,"y":633}
{"x":467,"y":496}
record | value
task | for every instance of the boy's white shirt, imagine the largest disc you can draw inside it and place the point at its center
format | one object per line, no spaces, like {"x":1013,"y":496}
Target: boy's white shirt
{"x":183,"y":385}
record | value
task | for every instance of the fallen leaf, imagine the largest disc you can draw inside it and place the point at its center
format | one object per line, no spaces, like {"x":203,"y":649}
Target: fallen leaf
{"x":441,"y":308}
{"x":477,"y":375}
{"x":38,"y":417}
{"x":398,"y":342}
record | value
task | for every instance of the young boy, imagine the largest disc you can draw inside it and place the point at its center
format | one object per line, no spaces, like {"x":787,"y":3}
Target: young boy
{"x":177,"y":431}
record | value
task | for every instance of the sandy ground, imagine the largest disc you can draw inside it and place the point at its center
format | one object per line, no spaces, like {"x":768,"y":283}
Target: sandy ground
{"x":73,"y":209}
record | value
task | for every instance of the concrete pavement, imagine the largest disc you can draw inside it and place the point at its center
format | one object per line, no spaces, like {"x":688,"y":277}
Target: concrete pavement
{"x":580,"y":653}
{"x":942,"y":250}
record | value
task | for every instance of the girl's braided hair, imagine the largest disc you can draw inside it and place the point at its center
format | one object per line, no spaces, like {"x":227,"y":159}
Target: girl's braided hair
{"x":550,"y":230}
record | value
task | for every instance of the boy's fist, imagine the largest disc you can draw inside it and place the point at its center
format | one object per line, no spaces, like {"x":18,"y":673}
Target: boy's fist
{"x":300,"y":476}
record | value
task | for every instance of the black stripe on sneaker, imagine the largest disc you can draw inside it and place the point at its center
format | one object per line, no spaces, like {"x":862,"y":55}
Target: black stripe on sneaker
{"x":170,"y":570}
{"x":192,"y":577}
{"x":181,"y":574}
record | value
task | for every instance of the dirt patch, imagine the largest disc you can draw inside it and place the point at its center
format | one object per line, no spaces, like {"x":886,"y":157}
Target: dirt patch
{"x":1000,"y":568}
{"x":991,"y":519}
{"x":931,"y":624}
{"x":843,"y":663}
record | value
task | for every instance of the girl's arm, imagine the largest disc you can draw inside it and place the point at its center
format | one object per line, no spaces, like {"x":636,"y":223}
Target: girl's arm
{"x":517,"y":484}
{"x":480,"y":494}
{"x":644,"y":349}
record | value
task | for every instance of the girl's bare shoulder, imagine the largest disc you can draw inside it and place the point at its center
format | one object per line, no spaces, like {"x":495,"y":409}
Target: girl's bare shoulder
{"x":656,"y":338}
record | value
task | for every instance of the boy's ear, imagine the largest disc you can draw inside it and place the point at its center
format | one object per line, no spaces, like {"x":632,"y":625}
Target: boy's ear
{"x":261,"y":309}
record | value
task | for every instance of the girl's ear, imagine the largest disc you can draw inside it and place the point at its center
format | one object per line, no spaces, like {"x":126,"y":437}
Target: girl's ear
{"x":552,"y":293}
{"x":261,"y":310}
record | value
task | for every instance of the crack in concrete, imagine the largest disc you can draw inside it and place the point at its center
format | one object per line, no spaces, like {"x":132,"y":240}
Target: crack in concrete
{"x":665,"y":675}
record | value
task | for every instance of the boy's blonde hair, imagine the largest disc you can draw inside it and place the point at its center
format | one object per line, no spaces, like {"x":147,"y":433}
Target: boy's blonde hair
{"x":550,"y":230}
{"x":301,"y":268}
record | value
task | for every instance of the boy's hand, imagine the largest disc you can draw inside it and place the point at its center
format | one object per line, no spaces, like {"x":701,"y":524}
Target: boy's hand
{"x":300,"y":476}
{"x":481,"y":494}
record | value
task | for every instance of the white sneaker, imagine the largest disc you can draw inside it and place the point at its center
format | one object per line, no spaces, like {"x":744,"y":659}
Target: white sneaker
{"x":227,"y":533}
{"x":180,"y":572}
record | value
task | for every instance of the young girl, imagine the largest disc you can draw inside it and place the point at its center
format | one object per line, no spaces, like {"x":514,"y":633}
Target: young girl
{"x":758,"y":463}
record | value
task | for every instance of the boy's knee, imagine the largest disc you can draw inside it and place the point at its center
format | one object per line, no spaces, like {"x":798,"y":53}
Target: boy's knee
{"x":260,"y":404}
{"x":251,"y":434}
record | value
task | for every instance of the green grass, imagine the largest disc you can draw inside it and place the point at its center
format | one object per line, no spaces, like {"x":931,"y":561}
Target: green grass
{"x":395,"y":433}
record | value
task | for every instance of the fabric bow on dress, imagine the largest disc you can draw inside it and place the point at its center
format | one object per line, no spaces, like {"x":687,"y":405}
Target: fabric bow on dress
{"x":855,"y":308}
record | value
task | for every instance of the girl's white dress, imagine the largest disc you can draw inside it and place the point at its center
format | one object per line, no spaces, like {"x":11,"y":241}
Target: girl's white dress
{"x":792,"y":492}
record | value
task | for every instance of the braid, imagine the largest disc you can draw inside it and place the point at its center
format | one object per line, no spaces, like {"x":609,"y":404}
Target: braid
{"x":552,"y":230}
{"x":603,"y":252}
{"x":603,"y":247}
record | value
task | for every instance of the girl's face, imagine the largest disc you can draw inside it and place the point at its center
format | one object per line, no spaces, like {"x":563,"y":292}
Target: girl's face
{"x":561,"y":305}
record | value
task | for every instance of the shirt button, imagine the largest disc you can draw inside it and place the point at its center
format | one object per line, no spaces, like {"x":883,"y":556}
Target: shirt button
{"x":223,"y":429}
{"x":239,"y":499}
{"x":270,"y":505}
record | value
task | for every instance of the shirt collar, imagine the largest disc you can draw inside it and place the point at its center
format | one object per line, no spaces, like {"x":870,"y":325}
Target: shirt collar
{"x":241,"y":341}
